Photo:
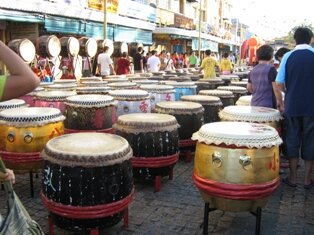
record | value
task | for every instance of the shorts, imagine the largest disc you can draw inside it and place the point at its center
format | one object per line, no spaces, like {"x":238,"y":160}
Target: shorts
{"x":298,"y":137}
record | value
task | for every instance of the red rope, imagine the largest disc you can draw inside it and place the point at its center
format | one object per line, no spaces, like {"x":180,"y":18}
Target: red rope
{"x":20,"y":157}
{"x":87,"y":212}
{"x":154,"y":162}
{"x":70,"y":131}
{"x":236,"y":191}
{"x":187,"y":143}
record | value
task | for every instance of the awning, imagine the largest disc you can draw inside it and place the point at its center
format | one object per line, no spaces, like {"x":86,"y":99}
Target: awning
{"x":126,"y":34}
{"x":20,"y":16}
{"x":65,"y":25}
{"x":205,"y":45}
{"x":96,"y":30}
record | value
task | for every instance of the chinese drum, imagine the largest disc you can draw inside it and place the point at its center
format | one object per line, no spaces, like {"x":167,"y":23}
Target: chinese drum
{"x":154,"y":140}
{"x":236,"y":166}
{"x":102,"y":43}
{"x":122,"y":85}
{"x":29,"y":98}
{"x":146,"y":82}
{"x":226,"y":97}
{"x":93,"y":83}
{"x":88,"y":47}
{"x":208,"y":84}
{"x":183,"y":88}
{"x":62,"y":87}
{"x":90,"y":79}
{"x":24,"y":48}
{"x":211,"y":104}
{"x":236,"y":90}
{"x":70,"y":46}
{"x":13,"y":103}
{"x":48,"y":46}
{"x":119,"y":48}
{"x":87,"y":180}
{"x":159,"y":93}
{"x":255,"y":114}
{"x":65,"y":81}
{"x":53,"y":99}
{"x":189,"y":115}
{"x":84,"y":90}
{"x":116,"y":79}
{"x":25,"y":132}
{"x":244,"y":100}
{"x":228,"y":78}
{"x":179,"y":78}
{"x":131,"y":101}
{"x":239,"y":83}
{"x":89,"y":112}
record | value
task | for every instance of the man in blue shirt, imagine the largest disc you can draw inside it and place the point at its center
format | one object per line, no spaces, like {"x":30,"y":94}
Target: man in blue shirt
{"x":296,"y":79}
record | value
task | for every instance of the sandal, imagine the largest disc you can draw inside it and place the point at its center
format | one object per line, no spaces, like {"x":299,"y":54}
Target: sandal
{"x":309,"y":186}
{"x":287,"y":182}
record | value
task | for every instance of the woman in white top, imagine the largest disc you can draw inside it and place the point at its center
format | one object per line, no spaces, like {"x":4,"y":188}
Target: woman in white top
{"x":153,"y":63}
{"x":169,"y":63}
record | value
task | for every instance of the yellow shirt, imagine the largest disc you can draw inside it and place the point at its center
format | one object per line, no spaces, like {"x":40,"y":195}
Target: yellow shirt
{"x":208,"y":65}
{"x":3,"y":80}
{"x":226,"y":65}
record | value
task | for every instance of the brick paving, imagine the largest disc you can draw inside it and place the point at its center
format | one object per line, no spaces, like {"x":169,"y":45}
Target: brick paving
{"x":178,"y":209}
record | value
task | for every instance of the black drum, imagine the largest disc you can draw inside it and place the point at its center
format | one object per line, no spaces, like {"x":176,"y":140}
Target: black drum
{"x":133,"y":47}
{"x":48,"y":46}
{"x":87,"y":180}
{"x":70,"y":46}
{"x":102,"y":43}
{"x":24,"y":48}
{"x":154,"y":140}
{"x":237,"y":91}
{"x":226,"y":97}
{"x":119,"y":48}
{"x":88,"y":47}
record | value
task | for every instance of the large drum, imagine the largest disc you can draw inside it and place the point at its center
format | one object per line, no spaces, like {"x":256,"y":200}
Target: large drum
{"x":228,"y":78}
{"x":53,"y":99}
{"x":88,"y":47}
{"x":226,"y":97}
{"x":183,"y":88}
{"x":88,"y":90}
{"x":131,"y":101}
{"x":208,"y":84}
{"x":11,"y":104}
{"x":119,"y":48}
{"x":154,"y":140}
{"x":159,"y":93}
{"x":93,"y":83}
{"x":255,"y":114}
{"x":62,"y":87}
{"x":212,"y":106}
{"x":122,"y":85}
{"x":48,"y":46}
{"x":190,"y":116}
{"x":24,"y":48}
{"x":102,"y":43}
{"x":87,"y":180}
{"x":134,"y":47}
{"x":89,"y":112}
{"x":244,"y":100}
{"x":236,"y":164}
{"x":236,"y":90}
{"x":70,"y":46}
{"x":29,"y":98}
{"x":25,"y":132}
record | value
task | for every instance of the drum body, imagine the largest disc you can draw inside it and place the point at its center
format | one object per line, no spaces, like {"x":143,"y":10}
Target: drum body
{"x":90,"y":112}
{"x":226,"y":97}
{"x":83,"y":175}
{"x":154,"y":140}
{"x":211,"y":104}
{"x":48,"y":46}
{"x":189,"y":115}
{"x":24,"y":48}
{"x":53,"y":99}
{"x":236,"y":165}
{"x":131,"y":101}
{"x":12,"y":104}
{"x":88,"y":47}
{"x":30,"y":97}
{"x":69,"y":46}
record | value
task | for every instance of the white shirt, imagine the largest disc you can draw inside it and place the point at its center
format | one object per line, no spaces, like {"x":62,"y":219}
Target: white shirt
{"x":153,"y":63}
{"x":104,"y":60}
{"x":169,"y":64}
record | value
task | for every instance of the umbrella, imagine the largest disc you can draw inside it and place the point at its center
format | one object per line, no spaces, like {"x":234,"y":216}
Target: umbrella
{"x":17,"y":219}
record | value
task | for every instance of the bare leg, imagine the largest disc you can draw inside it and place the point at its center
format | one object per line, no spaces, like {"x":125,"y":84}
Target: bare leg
{"x":308,"y":172}
{"x":293,"y":165}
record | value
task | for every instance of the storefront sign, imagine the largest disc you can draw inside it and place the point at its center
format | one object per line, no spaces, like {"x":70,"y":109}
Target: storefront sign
{"x":137,"y":10}
{"x":112,"y":5}
{"x":181,"y":21}
{"x":165,"y":17}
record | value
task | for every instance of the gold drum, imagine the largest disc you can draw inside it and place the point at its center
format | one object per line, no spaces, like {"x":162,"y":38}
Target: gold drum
{"x":236,"y":164}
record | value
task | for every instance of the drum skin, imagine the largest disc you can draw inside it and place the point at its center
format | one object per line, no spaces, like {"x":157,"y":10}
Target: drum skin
{"x":86,"y":186}
{"x":24,"y":48}
{"x":88,"y":47}
{"x":69,"y":46}
{"x":264,"y":167}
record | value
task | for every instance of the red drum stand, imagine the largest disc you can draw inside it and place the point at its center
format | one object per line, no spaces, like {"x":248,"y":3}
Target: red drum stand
{"x":186,"y":148}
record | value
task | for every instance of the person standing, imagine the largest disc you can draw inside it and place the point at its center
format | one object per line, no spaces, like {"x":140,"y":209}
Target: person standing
{"x":226,"y":66}
{"x":123,"y":64}
{"x":105,"y":63}
{"x":169,"y":63}
{"x":209,"y":64}
{"x":295,"y":78}
{"x":193,"y":60}
{"x":261,"y":82}
{"x":153,"y":62}
{"x":139,"y":61}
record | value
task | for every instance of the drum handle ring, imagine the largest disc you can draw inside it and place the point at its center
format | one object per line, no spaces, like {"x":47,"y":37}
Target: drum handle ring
{"x":217,"y":159}
{"x":245,"y":161}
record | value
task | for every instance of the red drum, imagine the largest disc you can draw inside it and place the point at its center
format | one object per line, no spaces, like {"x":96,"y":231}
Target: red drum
{"x":30,"y":97}
{"x":226,"y":97}
{"x":236,"y":164}
{"x":53,"y":99}
{"x":119,"y":48}
{"x":159,"y":93}
{"x":87,"y":180}
{"x":24,"y":48}
{"x":89,"y":112}
{"x":11,"y":104}
{"x":122,"y":85}
{"x":48,"y":46}
{"x":212,"y":105}
{"x":131,"y":101}
{"x":88,"y":47}
{"x":69,"y":46}
{"x":244,"y":100}
{"x":154,"y":140}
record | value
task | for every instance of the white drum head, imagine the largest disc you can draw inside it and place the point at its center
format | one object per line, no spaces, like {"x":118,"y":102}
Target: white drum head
{"x":91,"y":47}
{"x":27,"y":50}
{"x":73,"y":46}
{"x":109,"y":43}
{"x":53,"y":46}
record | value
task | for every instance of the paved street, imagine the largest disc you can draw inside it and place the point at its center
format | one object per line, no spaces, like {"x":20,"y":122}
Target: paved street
{"x":178,"y":209}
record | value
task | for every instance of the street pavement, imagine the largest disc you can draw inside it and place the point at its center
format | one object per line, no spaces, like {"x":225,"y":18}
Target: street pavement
{"x":178,"y":209}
